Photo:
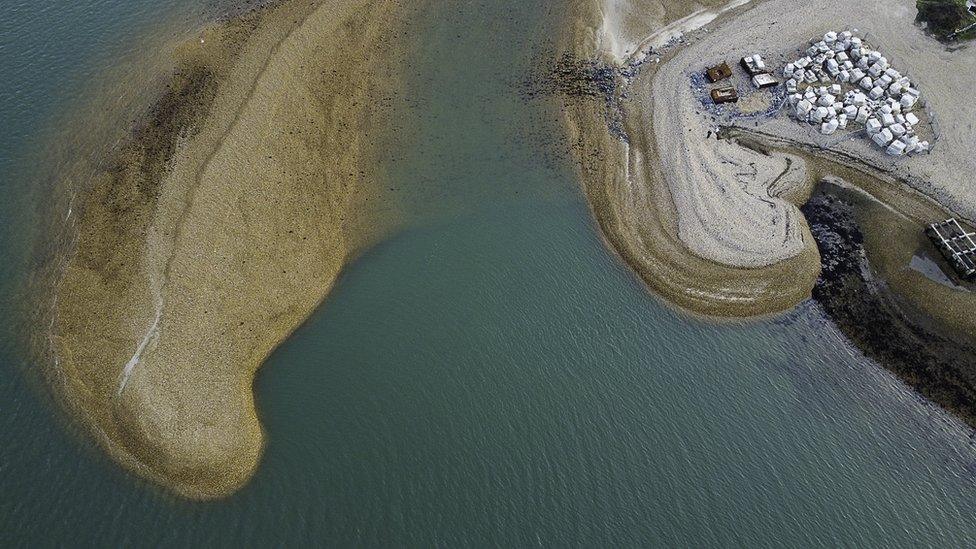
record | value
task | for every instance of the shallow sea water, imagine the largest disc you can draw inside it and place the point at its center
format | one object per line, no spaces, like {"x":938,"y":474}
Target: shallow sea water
{"x":490,"y":374}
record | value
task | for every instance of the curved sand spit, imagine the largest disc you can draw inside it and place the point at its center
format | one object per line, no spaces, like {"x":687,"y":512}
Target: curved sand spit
{"x":222,"y":224}
{"x":713,"y":225}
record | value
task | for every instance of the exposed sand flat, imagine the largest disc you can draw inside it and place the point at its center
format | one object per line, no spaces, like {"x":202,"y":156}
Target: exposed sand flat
{"x":221,"y":226}
{"x":639,"y":220}
{"x":713,"y":225}
{"x":627,"y":186}
{"x":727,"y":209}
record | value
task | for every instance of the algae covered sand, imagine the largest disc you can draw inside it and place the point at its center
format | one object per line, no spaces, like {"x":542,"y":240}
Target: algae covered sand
{"x":216,"y":230}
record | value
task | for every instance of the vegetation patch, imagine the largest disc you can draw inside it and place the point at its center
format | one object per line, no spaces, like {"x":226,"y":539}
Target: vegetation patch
{"x":947,"y":20}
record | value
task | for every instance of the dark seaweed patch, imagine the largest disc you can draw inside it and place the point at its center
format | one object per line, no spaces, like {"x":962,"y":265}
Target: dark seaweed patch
{"x":899,"y":338}
{"x":585,"y":79}
{"x":120,"y":204}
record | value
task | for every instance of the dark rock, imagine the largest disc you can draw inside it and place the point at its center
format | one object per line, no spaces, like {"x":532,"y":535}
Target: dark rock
{"x":887,"y":330}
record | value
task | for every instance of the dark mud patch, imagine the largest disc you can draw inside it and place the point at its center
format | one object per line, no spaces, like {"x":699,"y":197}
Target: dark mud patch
{"x":884,"y":327}
{"x":119,"y":204}
{"x":572,"y":78}
{"x":121,"y":201}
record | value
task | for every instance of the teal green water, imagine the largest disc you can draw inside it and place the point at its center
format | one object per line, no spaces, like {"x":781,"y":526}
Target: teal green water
{"x":490,"y":375}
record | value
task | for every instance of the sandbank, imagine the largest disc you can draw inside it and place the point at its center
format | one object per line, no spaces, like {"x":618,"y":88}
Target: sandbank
{"x":217,"y":228}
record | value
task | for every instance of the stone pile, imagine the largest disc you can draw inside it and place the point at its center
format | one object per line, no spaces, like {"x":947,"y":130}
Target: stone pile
{"x":840,"y":81}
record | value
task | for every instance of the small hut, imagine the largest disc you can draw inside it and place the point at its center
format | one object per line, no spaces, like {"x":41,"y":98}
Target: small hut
{"x":764,"y":80}
{"x":718,"y":72}
{"x":724,"y":95}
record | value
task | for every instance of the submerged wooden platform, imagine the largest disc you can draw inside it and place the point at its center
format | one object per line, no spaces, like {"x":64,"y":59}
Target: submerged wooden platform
{"x":956,"y":244}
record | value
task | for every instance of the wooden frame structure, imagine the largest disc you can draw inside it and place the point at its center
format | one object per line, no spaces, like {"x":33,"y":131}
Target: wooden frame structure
{"x":956,"y":244}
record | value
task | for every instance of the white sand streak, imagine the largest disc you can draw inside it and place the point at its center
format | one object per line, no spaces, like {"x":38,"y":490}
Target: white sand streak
{"x":682,"y":26}
{"x":134,"y":360}
{"x":615,"y":39}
